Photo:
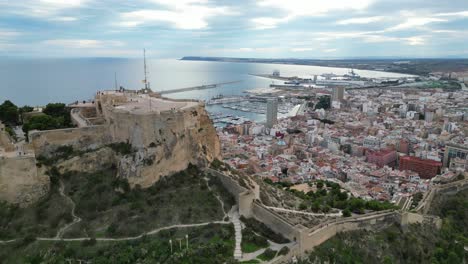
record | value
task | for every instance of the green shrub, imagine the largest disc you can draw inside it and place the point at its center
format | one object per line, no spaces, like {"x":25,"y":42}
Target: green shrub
{"x":268,"y":255}
{"x":283,"y":251}
{"x":346,"y":213}
{"x":122,"y":148}
{"x":264,"y":230}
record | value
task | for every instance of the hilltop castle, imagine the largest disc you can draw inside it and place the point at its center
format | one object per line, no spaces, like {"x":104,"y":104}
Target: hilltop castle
{"x":165,"y":135}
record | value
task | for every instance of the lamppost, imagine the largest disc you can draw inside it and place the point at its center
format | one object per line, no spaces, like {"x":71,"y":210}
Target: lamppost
{"x":186,"y":240}
{"x":170,"y":242}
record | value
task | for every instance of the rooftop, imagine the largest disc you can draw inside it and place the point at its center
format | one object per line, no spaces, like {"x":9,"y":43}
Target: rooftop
{"x":144,"y":103}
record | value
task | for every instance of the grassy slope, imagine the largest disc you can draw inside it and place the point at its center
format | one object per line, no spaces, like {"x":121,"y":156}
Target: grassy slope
{"x":109,"y":208}
{"x":209,"y":244}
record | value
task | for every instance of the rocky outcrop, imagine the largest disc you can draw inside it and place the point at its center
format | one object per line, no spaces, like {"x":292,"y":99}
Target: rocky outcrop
{"x":165,"y":144}
{"x":90,"y":161}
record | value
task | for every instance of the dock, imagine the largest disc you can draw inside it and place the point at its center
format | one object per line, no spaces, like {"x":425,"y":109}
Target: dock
{"x":202,"y":87}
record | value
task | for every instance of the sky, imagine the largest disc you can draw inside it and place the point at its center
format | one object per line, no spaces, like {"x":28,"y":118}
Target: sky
{"x":234,"y":28}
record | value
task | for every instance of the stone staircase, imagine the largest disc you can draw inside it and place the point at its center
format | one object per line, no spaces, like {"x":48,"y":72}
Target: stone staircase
{"x":234,"y":215}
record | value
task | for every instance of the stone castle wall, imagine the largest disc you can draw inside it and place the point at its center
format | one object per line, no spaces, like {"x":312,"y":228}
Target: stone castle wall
{"x":21,"y":182}
{"x":275,"y":222}
{"x":230,"y":184}
{"x":315,"y":236}
{"x":449,"y":188}
{"x":308,"y":238}
{"x":85,"y":138}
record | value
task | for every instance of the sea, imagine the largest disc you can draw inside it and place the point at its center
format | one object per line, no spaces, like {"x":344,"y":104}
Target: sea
{"x":36,"y":82}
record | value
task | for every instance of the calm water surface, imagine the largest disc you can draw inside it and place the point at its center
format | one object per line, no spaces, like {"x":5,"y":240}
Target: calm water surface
{"x":39,"y":81}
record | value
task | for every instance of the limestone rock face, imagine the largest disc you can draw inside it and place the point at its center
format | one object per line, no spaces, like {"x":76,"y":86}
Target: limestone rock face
{"x":21,"y":182}
{"x":89,"y":162}
{"x":169,"y":147}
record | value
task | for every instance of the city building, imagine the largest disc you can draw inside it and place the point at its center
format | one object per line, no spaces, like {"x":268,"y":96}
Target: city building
{"x":385,"y":157}
{"x":426,"y":168}
{"x":272,"y":112}
{"x":371,"y":142}
{"x":338,"y":94}
{"x":454,"y":151}
{"x":403,"y":146}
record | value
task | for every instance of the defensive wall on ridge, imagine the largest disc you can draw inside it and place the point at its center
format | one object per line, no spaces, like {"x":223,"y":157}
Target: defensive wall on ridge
{"x":308,"y":238}
{"x":449,"y":188}
{"x":84,"y":138}
{"x":21,"y":182}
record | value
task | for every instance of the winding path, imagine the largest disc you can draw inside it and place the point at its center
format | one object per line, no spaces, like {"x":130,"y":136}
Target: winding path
{"x":152,"y":232}
{"x":76,"y":219}
{"x":233,"y":216}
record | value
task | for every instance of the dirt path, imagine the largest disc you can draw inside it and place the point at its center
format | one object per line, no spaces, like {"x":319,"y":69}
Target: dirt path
{"x":76,"y":219}
{"x":217,"y":197}
{"x":152,"y":232}
{"x":233,"y":216}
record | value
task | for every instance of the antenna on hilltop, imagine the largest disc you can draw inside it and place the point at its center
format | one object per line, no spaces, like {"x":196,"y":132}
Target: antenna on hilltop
{"x":147,"y":88}
{"x":145,"y":69}
{"x":115,"y":80}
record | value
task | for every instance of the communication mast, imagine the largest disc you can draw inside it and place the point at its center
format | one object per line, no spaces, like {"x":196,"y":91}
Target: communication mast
{"x":147,"y":85}
{"x":115,"y":80}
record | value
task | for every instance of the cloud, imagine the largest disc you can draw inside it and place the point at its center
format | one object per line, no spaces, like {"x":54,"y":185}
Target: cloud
{"x":64,"y":18}
{"x":181,"y":14}
{"x":304,"y":8}
{"x":82,"y":43}
{"x":267,"y":22}
{"x":301,"y":49}
{"x":370,"y":37}
{"x":8,"y":34}
{"x":414,"y":22}
{"x":330,"y":50}
{"x":43,"y":9}
{"x":454,"y":14}
{"x":360,"y":20}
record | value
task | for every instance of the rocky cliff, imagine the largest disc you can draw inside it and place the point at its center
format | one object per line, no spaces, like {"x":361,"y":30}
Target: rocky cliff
{"x":185,"y":138}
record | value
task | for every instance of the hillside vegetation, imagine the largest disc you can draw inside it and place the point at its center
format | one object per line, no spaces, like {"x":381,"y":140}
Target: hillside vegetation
{"x":210,"y":244}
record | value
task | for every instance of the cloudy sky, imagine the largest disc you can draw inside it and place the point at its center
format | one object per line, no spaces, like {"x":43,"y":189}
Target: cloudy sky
{"x":235,"y":28}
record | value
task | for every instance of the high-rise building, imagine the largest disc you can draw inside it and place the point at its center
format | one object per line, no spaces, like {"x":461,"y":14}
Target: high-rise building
{"x":272,"y":112}
{"x":338,"y":94}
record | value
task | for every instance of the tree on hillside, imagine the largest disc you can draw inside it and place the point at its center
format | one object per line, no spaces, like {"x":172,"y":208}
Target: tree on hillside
{"x":60,"y":112}
{"x":55,"y":109}
{"x":9,"y":113}
{"x":23,"y":110}
{"x":42,"y":122}
{"x":324,"y":103}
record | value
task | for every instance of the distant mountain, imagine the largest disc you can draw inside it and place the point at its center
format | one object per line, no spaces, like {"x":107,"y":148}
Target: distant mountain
{"x":416,"y":66}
